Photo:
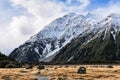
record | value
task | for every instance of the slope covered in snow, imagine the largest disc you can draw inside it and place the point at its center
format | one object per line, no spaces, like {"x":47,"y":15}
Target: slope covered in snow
{"x":47,"y":43}
{"x":100,"y":44}
{"x":52,"y":38}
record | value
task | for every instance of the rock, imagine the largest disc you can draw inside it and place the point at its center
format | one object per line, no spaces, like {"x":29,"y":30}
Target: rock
{"x":29,"y":66}
{"x":81,"y":70}
{"x":62,"y":79}
{"x":55,"y":68}
{"x":109,"y":66}
{"x":10,"y":66}
{"x":40,"y":67}
{"x":6,"y":77}
{"x":66,"y":66}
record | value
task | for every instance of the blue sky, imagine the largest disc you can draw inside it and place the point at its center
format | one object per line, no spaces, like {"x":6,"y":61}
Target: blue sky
{"x":94,"y":3}
{"x":98,"y":3}
{"x":20,"y":19}
{"x":8,"y":11}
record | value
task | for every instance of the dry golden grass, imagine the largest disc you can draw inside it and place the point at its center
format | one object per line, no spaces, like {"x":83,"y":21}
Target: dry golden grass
{"x":70,"y":72}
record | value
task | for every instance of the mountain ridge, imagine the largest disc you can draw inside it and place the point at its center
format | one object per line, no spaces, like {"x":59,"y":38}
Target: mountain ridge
{"x":49,"y":42}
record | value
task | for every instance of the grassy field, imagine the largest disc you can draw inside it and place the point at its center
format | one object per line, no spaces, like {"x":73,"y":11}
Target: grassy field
{"x":62,"y":72}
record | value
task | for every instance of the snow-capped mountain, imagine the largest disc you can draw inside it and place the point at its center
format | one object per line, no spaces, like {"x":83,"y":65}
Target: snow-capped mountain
{"x":58,"y":37}
{"x":100,"y":44}
{"x":52,"y":38}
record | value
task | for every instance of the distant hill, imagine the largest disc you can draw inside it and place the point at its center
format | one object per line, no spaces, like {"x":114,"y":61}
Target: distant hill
{"x":7,"y":62}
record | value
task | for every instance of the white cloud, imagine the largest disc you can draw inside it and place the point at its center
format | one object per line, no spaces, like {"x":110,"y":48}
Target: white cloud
{"x":113,"y":7}
{"x":12,"y":36}
{"x":68,"y":2}
{"x":84,"y":4}
{"x":47,"y":10}
{"x":77,"y":8}
{"x":23,"y":25}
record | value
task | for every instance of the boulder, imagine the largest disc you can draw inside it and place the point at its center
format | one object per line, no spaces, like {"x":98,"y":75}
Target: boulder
{"x":40,"y":67}
{"x":29,"y":66}
{"x":109,"y":66}
{"x":81,"y":70}
{"x":10,"y":66}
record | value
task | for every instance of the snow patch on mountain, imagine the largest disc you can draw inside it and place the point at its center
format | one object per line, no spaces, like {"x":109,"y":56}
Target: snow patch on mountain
{"x":50,"y":40}
{"x":65,"y":28}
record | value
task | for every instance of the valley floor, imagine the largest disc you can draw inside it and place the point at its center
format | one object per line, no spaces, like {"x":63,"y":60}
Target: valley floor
{"x":62,"y":72}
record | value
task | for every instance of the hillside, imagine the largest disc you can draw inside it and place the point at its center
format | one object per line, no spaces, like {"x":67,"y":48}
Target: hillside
{"x":6,"y":62}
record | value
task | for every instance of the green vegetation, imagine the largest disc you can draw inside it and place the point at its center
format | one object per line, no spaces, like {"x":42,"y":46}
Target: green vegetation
{"x":98,"y":50}
{"x":6,"y":62}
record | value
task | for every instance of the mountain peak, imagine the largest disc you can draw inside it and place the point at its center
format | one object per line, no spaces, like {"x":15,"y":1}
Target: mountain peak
{"x":114,"y":15}
{"x":111,"y":19}
{"x":88,"y":14}
{"x":70,"y":14}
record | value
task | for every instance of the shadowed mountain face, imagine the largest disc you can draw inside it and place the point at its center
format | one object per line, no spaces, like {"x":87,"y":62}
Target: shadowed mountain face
{"x":97,"y":50}
{"x":74,"y":38}
{"x":7,"y":62}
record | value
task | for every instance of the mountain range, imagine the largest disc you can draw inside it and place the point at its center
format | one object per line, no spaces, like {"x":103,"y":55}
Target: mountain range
{"x":74,"y":38}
